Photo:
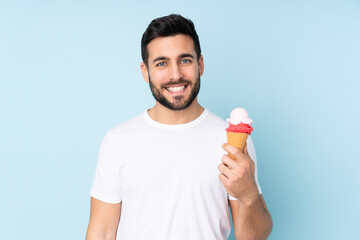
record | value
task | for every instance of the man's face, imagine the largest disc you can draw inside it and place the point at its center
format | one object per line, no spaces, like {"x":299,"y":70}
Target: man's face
{"x":173,"y":71}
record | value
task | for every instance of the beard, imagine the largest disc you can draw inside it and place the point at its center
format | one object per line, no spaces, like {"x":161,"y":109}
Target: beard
{"x":179,"y":102}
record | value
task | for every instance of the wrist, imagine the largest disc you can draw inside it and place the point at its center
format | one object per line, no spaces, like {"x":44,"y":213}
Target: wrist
{"x":250,"y":200}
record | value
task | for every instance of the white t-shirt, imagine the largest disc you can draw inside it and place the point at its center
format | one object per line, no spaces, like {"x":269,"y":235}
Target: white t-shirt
{"x":166,"y":177}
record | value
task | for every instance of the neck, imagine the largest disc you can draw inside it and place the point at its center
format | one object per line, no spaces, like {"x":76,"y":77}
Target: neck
{"x":165,"y":115}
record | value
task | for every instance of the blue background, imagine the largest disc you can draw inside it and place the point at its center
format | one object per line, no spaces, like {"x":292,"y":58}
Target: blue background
{"x":69,"y":71}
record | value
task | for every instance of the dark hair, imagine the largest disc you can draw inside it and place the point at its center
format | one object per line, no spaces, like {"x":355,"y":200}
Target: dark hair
{"x":169,"y":26}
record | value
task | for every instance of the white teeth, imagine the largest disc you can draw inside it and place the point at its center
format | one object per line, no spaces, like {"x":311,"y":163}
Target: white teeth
{"x":176,"y":89}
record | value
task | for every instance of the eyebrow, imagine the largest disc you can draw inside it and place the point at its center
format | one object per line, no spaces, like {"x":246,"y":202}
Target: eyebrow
{"x":160,"y":59}
{"x":184,"y":55}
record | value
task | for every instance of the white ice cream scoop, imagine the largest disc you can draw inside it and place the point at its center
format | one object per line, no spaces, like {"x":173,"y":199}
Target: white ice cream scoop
{"x":239,"y":115}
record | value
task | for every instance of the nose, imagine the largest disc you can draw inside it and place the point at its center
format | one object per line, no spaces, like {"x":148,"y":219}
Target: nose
{"x":175,"y":72}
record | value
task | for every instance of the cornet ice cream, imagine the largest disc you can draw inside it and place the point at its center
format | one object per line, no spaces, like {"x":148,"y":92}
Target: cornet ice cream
{"x":239,"y":128}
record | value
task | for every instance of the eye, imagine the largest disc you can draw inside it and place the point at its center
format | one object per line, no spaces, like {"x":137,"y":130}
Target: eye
{"x":185,"y":61}
{"x":160,"y":64}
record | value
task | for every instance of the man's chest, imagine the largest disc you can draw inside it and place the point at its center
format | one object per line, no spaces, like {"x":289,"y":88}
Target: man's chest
{"x":166,"y":165}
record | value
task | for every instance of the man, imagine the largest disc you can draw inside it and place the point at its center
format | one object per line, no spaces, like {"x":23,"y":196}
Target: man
{"x":158,"y":174}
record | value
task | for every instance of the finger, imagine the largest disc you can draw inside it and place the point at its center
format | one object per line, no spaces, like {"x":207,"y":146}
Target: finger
{"x":223,"y":178}
{"x":245,"y":148}
{"x":246,"y":152}
{"x":227,"y":160}
{"x":226,"y":171}
{"x":231,"y":149}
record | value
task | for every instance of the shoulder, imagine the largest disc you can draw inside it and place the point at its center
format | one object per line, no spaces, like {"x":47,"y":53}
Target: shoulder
{"x":215,"y":120}
{"x":128,"y":126}
{"x":126,"y":130}
{"x":212,"y":127}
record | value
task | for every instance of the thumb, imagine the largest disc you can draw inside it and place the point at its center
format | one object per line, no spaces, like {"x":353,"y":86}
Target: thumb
{"x":246,"y":151}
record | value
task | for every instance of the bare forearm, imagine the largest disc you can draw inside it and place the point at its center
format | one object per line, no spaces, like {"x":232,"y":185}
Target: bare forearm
{"x":254,"y":222}
{"x":93,"y":235}
{"x":104,"y":220}
{"x":96,"y":233}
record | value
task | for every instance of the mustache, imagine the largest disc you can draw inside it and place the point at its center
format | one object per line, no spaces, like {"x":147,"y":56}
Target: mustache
{"x":180,"y":81}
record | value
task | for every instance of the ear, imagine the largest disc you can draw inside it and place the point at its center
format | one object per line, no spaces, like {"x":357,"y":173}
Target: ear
{"x":144,"y":71}
{"x":201,"y":65}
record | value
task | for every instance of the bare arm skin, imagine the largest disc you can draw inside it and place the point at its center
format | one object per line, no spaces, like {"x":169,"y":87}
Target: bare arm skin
{"x":252,"y":220}
{"x":104,"y":220}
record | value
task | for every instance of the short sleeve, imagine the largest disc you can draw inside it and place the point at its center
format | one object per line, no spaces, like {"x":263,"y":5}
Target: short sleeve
{"x":106,"y":184}
{"x":252,"y":153}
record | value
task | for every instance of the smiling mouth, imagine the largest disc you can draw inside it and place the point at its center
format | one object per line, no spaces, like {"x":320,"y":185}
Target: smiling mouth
{"x":176,"y":89}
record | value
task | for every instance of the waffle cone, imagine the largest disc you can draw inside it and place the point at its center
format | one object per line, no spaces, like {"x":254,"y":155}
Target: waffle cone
{"x":237,"y":140}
